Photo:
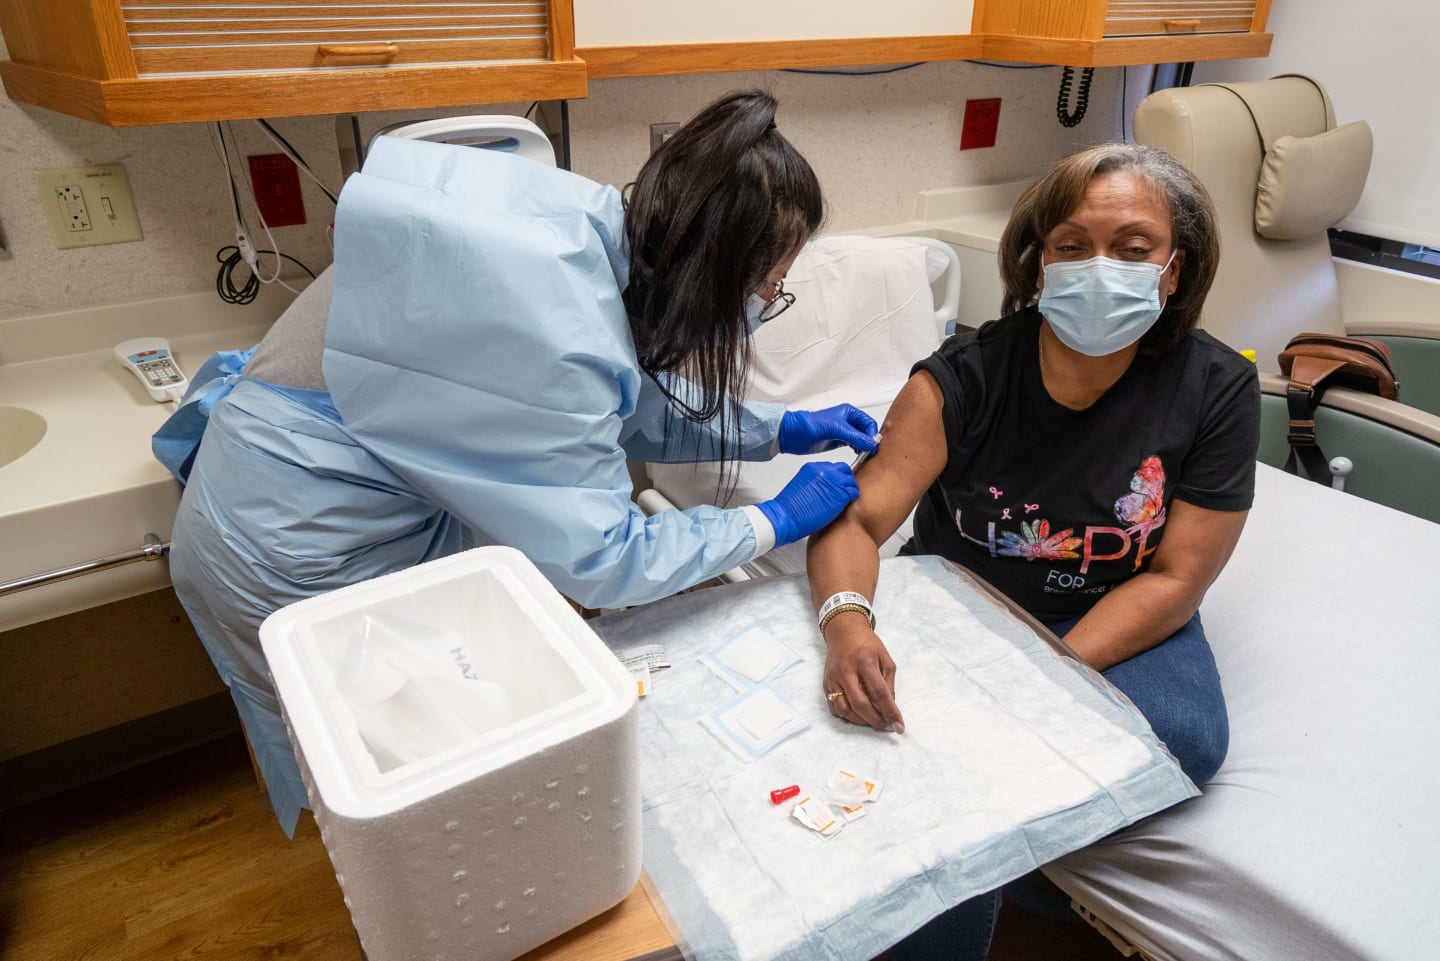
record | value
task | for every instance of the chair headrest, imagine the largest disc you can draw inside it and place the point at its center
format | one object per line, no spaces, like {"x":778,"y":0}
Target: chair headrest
{"x":1309,"y":181}
{"x":1310,"y":184}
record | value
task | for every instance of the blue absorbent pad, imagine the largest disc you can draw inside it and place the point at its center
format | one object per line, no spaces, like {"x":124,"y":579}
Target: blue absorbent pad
{"x":1013,"y":754}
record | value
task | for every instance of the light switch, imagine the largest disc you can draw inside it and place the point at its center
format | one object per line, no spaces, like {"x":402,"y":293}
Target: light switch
{"x":661,"y":132}
{"x":88,"y":206}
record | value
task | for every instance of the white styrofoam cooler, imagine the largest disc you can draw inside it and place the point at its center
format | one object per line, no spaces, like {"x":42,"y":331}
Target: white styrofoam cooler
{"x":495,"y":840}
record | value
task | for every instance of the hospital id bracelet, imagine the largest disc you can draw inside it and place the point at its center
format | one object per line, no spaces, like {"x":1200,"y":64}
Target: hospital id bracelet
{"x":845,"y":601}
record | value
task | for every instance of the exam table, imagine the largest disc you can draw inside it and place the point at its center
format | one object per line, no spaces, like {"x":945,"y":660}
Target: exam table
{"x":1014,"y":752}
{"x":1317,"y":839}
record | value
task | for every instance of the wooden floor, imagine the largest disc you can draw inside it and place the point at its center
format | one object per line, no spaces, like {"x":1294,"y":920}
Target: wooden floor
{"x":182,"y":859}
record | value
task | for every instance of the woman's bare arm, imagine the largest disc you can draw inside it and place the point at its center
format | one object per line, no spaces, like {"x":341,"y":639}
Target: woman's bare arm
{"x":845,"y":555}
{"x":1149,"y":607}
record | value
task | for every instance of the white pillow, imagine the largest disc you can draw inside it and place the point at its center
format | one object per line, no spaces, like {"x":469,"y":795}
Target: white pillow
{"x":863,"y":315}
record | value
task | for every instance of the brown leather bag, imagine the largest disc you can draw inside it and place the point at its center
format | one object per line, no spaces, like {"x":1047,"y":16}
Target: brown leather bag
{"x":1315,"y":362}
{"x":1310,"y":360}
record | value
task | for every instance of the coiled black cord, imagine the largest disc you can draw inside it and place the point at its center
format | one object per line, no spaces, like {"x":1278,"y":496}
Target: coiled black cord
{"x":1062,"y":103}
{"x":245,"y":293}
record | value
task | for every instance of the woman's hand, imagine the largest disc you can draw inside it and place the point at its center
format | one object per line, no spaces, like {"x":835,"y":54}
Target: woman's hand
{"x":813,"y":431}
{"x":859,"y":668}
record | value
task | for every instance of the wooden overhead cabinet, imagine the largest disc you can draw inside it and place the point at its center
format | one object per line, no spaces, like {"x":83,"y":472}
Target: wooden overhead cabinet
{"x":1112,"y":33}
{"x":127,"y":62}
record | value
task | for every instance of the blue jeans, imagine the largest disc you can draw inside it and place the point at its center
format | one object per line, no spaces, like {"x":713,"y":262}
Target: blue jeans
{"x":1176,"y":685}
{"x":960,"y":934}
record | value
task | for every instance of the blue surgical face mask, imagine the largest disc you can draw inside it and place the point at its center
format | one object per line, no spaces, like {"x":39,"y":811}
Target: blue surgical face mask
{"x":754,"y":306}
{"x":1099,"y":306}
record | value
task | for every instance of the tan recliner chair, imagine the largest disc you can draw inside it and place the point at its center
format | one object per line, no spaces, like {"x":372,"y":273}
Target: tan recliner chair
{"x":1281,"y":173}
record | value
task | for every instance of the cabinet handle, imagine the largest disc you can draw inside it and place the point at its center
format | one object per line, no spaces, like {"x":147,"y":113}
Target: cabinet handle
{"x":368,"y":51}
{"x":1181,"y":26}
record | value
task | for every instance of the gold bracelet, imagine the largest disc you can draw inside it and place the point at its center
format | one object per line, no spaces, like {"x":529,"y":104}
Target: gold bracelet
{"x":840,"y":608}
{"x":846,"y":597}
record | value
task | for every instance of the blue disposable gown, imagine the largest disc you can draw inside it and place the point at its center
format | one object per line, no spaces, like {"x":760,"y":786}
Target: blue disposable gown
{"x":483,"y":389}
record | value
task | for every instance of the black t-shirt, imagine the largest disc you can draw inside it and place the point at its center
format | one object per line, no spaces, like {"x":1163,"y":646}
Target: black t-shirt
{"x":1055,"y":506}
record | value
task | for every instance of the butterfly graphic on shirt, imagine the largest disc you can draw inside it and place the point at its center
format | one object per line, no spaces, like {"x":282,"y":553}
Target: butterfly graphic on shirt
{"x":1144,"y":507}
{"x":1035,"y":542}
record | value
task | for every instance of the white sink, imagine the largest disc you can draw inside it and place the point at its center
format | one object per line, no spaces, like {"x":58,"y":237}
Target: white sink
{"x":20,"y":431}
{"x":78,"y":480}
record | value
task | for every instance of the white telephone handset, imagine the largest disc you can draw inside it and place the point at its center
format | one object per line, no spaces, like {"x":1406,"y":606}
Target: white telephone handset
{"x":149,"y":359}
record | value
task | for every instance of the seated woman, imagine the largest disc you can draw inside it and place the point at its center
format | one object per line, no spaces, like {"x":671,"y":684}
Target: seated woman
{"x":1091,"y":455}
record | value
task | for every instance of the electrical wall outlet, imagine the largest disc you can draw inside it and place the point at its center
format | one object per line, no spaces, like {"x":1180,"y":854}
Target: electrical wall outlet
{"x":659,"y":133}
{"x":74,"y":215}
{"x":88,"y":206}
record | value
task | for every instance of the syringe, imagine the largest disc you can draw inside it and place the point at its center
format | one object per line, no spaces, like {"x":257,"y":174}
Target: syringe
{"x":865,"y":454}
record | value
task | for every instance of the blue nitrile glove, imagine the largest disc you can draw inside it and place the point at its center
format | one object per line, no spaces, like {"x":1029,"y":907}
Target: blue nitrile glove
{"x":813,"y":498}
{"x":811,"y":431}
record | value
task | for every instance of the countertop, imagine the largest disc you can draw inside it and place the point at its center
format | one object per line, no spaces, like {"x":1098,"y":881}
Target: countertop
{"x":971,"y":217}
{"x":91,"y":487}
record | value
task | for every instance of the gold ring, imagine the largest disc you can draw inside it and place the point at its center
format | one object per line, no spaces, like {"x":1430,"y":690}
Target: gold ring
{"x":834,"y":696}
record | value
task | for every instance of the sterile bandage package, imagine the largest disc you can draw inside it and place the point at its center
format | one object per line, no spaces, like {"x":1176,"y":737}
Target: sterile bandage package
{"x":749,"y":657}
{"x":753,"y":723}
{"x":762,"y":835}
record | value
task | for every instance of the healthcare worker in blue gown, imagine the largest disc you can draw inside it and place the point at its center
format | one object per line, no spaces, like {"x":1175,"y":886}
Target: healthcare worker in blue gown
{"x":501,"y":338}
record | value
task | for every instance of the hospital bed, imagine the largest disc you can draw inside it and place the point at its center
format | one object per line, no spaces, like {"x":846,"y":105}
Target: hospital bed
{"x":866,"y":309}
{"x":1316,"y":839}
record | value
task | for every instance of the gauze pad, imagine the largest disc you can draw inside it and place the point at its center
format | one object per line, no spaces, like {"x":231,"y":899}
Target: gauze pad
{"x":749,"y":658}
{"x":753,"y":723}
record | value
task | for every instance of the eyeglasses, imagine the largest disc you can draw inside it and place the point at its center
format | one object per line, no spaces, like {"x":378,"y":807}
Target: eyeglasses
{"x":780,"y":302}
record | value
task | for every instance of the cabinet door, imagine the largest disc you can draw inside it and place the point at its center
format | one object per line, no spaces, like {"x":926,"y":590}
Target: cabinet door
{"x":619,"y":23}
{"x":214,"y":36}
{"x":1134,"y":18}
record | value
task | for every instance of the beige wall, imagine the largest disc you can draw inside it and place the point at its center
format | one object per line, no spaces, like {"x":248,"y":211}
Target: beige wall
{"x":874,"y":141}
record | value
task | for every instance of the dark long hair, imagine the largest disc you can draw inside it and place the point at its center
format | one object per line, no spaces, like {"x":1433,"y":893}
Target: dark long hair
{"x":710,"y":214}
{"x":1061,"y":189}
